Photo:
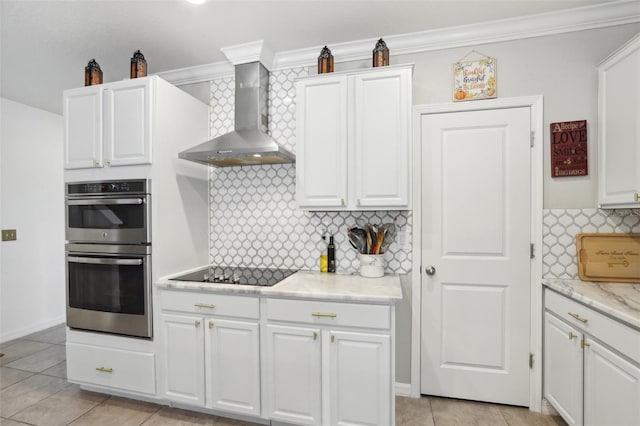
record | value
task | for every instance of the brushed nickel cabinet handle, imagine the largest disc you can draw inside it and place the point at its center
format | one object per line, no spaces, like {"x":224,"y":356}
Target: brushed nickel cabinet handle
{"x":578,"y":317}
{"x":584,"y":344}
{"x":572,"y":335}
{"x":315,"y":335}
{"x":210,"y":324}
{"x":197,"y":323}
{"x":106,"y":370}
{"x":324,"y":314}
{"x":204,"y":305}
{"x":636,"y":197}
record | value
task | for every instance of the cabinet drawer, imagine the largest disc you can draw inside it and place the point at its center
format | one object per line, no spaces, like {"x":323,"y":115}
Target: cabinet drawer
{"x":210,"y":304}
{"x":113,"y":368}
{"x":615,"y":334}
{"x":329,"y":313}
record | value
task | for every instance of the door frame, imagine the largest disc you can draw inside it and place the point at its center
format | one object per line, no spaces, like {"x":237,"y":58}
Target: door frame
{"x":535,"y":103}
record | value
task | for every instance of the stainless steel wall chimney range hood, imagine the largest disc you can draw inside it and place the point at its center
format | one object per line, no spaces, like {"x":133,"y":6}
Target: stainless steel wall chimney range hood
{"x":249,"y":143}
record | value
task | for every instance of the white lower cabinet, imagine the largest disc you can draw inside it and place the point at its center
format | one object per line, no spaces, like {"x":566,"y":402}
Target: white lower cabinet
{"x":211,"y":360}
{"x":611,"y":387}
{"x":319,"y":373}
{"x":563,"y":368}
{"x":360,"y":383}
{"x":591,"y":365}
{"x":115,"y":369}
{"x":183,"y":338}
{"x":294,"y":374}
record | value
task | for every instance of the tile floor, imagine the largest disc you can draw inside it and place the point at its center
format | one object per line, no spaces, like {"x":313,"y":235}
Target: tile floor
{"x":34,"y":391}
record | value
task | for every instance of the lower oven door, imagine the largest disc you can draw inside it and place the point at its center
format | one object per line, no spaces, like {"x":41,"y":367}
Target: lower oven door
{"x":109,"y":289}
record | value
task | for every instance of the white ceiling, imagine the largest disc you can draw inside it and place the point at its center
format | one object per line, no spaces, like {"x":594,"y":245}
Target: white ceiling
{"x":45,"y":45}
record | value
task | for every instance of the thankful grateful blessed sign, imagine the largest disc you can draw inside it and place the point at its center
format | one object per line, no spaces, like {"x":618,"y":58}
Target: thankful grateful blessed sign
{"x":474,"y":79}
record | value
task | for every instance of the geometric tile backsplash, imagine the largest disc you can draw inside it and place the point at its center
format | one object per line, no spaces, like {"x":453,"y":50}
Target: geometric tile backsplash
{"x":560,"y":227}
{"x":253,"y":217}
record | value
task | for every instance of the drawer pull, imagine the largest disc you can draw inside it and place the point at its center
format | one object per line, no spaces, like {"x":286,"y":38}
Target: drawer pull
{"x":106,"y":370}
{"x":636,"y":197}
{"x":572,"y":335}
{"x":210,"y":324}
{"x":333,"y":338}
{"x":315,"y":335}
{"x":578,"y":317}
{"x":204,"y":305}
{"x":324,"y":314}
{"x":584,"y":344}
{"x":197,"y":323}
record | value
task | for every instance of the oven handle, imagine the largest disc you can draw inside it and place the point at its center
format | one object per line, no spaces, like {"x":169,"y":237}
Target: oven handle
{"x":104,"y":261}
{"x":105,"y":202}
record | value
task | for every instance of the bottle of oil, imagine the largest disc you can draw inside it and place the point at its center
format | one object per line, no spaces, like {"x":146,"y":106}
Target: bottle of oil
{"x":331,"y":255}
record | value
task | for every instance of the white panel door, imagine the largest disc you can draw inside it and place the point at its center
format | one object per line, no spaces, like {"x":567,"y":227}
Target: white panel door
{"x":321,"y":150}
{"x":381,"y":107}
{"x":128,"y":118}
{"x":294,"y":374}
{"x":563,"y":368}
{"x":360,"y":379}
{"x":83,"y":127}
{"x":476,"y":238}
{"x":233,"y":360}
{"x":611,"y":388}
{"x":183,"y":341}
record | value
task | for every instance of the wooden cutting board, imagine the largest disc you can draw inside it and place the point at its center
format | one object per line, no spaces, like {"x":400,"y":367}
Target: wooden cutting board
{"x":609,"y":257}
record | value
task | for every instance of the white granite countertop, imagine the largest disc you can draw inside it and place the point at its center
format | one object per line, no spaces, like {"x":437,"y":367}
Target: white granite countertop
{"x":308,"y":285}
{"x":618,"y":300}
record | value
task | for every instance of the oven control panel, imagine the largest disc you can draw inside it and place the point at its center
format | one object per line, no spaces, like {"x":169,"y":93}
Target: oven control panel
{"x":138,"y":186}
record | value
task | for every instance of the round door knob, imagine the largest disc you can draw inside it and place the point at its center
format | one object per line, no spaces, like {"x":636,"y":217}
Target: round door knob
{"x":430,"y":270}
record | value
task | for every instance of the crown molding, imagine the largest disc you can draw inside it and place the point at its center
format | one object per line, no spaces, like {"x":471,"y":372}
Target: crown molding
{"x":249,"y":52}
{"x":198,"y":74}
{"x":544,"y":24}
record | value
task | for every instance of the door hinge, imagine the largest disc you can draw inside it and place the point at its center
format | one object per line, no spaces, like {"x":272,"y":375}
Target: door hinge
{"x":532,"y":138}
{"x":532,"y":250}
{"x":531,"y":360}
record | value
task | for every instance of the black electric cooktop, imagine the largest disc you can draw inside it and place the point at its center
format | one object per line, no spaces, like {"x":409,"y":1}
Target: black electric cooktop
{"x":237,"y":275}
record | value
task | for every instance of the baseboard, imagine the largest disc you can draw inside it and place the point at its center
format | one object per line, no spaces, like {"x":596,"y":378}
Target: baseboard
{"x":547,"y":408}
{"x":403,"y":389}
{"x":33,"y":328}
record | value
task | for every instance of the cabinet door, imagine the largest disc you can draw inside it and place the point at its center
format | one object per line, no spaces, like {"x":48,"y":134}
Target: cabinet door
{"x":611,"y":388}
{"x":83,"y":127}
{"x":619,"y":132}
{"x":563,"y":368}
{"x":361,"y":380}
{"x":293,"y":374}
{"x":321,"y":149}
{"x":128,"y":117}
{"x":381,"y":105}
{"x":183,"y":345}
{"x":233,"y":373}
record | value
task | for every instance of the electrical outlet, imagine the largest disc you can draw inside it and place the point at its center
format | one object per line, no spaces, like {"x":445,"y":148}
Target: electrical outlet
{"x":403,"y":240}
{"x":9,"y":235}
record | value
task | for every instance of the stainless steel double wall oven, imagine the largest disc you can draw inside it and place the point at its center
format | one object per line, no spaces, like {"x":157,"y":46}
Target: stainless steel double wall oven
{"x":108,"y":256}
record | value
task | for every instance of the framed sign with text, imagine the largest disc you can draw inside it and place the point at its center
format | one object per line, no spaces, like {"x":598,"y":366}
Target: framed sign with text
{"x":569,"y":149}
{"x":474,"y":79}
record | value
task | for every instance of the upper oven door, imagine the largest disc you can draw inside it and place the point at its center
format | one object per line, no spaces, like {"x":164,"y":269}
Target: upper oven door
{"x":109,"y":219}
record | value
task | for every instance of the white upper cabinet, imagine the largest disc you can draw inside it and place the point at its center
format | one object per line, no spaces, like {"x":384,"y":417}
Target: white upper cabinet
{"x":83,"y":127}
{"x":109,"y":124}
{"x":619,"y":128}
{"x":128,"y":122}
{"x":353,"y":140}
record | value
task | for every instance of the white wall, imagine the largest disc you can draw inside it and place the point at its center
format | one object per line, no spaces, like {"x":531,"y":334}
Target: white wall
{"x":32,"y":291}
